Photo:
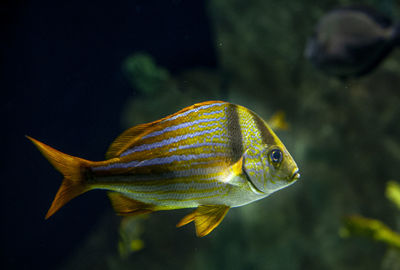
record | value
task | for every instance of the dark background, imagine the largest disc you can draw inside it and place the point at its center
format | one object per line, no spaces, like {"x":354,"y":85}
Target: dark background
{"x":61,"y":82}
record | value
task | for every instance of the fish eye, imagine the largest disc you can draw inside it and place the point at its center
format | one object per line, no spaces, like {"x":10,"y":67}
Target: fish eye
{"x":276,"y":156}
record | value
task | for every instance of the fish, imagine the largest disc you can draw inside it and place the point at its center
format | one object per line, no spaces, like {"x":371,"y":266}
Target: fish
{"x":350,"y":42}
{"x":211,"y":156}
{"x":278,"y":121}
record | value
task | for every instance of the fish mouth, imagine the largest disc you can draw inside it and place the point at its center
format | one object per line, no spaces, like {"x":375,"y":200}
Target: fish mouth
{"x":295,"y":175}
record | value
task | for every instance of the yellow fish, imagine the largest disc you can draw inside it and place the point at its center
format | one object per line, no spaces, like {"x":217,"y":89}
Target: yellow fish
{"x":210,"y":156}
{"x":278,"y":121}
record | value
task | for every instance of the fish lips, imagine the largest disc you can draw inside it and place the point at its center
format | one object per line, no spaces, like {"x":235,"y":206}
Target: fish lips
{"x":295,"y":175}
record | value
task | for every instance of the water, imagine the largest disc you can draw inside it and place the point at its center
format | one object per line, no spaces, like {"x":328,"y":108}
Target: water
{"x":66,"y":85}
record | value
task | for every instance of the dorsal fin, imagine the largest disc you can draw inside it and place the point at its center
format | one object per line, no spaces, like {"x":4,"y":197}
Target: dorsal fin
{"x":231,"y":171}
{"x":127,"y":138}
{"x":132,"y":135}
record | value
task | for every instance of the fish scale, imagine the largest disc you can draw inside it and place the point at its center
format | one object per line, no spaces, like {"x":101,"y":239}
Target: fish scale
{"x":184,"y":139}
{"x":183,"y":143}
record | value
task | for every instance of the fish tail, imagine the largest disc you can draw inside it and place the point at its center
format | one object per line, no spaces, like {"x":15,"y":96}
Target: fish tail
{"x":75,"y":171}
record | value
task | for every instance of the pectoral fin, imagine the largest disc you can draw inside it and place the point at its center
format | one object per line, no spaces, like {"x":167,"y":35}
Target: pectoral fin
{"x":206,"y":218}
{"x":126,"y":206}
{"x":232,"y":171}
{"x":237,"y":168}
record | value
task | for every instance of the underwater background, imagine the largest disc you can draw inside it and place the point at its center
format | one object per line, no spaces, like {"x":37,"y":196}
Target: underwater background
{"x":76,"y":74}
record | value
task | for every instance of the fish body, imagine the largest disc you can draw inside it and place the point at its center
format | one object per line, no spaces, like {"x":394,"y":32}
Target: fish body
{"x":211,"y":156}
{"x":351,"y":41}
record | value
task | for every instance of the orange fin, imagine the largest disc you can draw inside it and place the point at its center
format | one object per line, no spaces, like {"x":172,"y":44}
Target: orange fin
{"x":126,"y":206}
{"x":74,"y":171}
{"x":237,"y":168}
{"x":206,"y":218}
{"x":127,"y":138}
{"x":234,"y":170}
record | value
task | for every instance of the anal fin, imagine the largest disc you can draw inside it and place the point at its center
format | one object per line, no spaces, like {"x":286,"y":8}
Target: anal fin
{"x":206,"y":218}
{"x":128,"y":207}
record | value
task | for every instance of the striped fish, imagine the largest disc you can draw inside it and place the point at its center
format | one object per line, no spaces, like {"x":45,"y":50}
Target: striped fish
{"x":210,"y":156}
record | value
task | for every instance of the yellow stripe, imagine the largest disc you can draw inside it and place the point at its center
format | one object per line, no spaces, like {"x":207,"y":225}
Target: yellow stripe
{"x":223,"y":194}
{"x":130,"y":137}
{"x":162,"y":125}
{"x":201,"y":163}
{"x":190,"y":191}
{"x":156,"y":195}
{"x":216,"y":130}
{"x":178,"y":180}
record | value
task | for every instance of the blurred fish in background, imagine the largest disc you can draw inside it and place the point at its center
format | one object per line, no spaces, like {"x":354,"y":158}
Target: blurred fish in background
{"x":352,"y":41}
{"x":278,"y":121}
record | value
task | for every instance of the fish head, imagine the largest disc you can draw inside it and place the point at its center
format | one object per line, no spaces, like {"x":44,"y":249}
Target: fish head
{"x":270,"y":168}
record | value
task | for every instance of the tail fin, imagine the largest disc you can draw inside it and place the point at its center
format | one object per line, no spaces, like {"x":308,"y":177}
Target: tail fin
{"x":74,"y":170}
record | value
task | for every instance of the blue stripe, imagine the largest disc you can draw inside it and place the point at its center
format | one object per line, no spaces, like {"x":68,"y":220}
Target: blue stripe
{"x":189,"y":146}
{"x":175,"y":158}
{"x":174,"y":197}
{"x":183,"y":125}
{"x":206,"y":174}
{"x":206,"y":183}
{"x":157,"y":161}
{"x":145,"y":147}
{"x":214,"y":112}
{"x":194,"y":110}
